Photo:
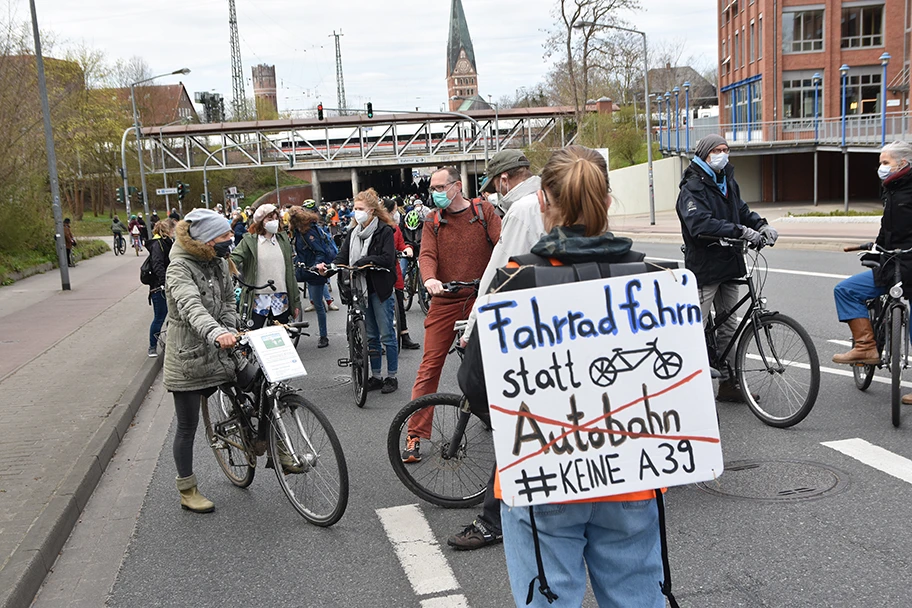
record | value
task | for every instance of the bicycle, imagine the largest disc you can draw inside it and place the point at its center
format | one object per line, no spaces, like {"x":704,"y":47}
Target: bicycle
{"x":412,"y":279}
{"x":358,"y":360}
{"x":136,"y":243}
{"x":890,"y":319}
{"x":245,"y":418}
{"x":454,"y":470}
{"x":776,"y":362}
{"x":120,"y":244}
{"x":604,"y":370}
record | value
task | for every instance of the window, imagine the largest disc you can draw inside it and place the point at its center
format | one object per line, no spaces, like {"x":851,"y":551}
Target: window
{"x":862,"y":26}
{"x":735,"y":51}
{"x":760,"y":38}
{"x":752,"y":42}
{"x":741,"y":49}
{"x":757,"y":101}
{"x":802,"y":31}
{"x":863,"y":90}
{"x":798,"y":95}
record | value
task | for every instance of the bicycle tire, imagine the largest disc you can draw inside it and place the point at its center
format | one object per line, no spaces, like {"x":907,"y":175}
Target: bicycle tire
{"x":863,"y":375}
{"x":777,"y":400}
{"x":319,"y":493}
{"x":359,"y":361}
{"x":453,"y":483}
{"x":219,"y":413}
{"x":397,"y":312}
{"x":896,"y":341}
{"x":122,"y":246}
{"x":411,"y":280}
{"x":296,"y":338}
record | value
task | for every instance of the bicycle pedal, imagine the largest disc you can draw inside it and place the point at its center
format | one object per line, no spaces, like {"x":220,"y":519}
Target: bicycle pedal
{"x":344,"y":362}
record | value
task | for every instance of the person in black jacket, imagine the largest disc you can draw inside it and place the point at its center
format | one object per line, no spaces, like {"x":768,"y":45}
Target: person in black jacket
{"x":709,"y":204}
{"x":895,"y":170}
{"x":370,"y":240}
{"x":159,"y":247}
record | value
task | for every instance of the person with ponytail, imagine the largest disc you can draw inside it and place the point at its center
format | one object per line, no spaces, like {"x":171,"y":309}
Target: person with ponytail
{"x":616,"y":538}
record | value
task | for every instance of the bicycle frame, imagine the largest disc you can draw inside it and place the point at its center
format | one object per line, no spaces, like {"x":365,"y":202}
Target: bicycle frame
{"x":619,"y":356}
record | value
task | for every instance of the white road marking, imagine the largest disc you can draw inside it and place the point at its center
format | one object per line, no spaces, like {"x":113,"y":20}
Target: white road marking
{"x":874,"y":456}
{"x":419,"y":553}
{"x":803,"y":273}
{"x":449,"y":601}
{"x":835,"y":371}
{"x":841,"y":342}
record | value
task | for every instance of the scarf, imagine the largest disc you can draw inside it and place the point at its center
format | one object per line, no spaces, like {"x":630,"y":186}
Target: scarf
{"x":723,"y":185}
{"x":361,"y":237}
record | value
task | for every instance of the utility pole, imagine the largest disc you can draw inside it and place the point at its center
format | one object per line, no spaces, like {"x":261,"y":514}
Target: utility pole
{"x":239,"y":103}
{"x":340,"y":81}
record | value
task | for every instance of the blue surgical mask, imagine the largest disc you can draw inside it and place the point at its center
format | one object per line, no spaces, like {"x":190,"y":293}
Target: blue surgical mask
{"x":883,"y":172}
{"x":441,"y":200}
{"x":718,"y":161}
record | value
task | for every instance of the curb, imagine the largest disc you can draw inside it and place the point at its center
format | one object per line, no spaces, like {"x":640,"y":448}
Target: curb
{"x":24,"y":573}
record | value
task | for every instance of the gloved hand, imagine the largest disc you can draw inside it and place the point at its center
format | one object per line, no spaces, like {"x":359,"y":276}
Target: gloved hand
{"x":408,"y":252}
{"x":769,"y":235}
{"x":752,"y":236}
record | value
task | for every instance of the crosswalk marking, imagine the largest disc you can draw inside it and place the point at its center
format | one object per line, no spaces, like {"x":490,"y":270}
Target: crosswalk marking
{"x":874,"y":456}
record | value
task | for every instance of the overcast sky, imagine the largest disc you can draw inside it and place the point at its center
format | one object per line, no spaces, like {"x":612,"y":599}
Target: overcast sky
{"x":393,"y":51}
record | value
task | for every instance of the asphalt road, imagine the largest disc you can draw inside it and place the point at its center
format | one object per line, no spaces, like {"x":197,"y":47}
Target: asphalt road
{"x":791,"y":523}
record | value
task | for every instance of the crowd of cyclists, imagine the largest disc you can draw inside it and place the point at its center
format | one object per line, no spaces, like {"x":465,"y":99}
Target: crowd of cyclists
{"x":560,"y":217}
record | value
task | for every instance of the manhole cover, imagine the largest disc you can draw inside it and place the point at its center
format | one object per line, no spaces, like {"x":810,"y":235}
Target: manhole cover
{"x":776,"y":480}
{"x":332,"y":382}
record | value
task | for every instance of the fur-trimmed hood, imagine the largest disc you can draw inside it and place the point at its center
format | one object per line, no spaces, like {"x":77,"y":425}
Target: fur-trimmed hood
{"x":186,"y":246}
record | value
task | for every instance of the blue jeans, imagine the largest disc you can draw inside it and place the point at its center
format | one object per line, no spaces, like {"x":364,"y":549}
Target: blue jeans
{"x":618,"y":542}
{"x":160,"y":311}
{"x":380,"y":330}
{"x":326,"y":295}
{"x":315,"y":294}
{"x":850,"y":295}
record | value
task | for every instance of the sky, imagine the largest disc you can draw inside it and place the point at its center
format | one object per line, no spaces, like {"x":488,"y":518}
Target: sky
{"x":393,"y":51}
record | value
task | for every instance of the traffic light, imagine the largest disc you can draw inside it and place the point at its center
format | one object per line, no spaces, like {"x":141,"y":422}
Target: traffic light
{"x":320,"y":111}
{"x":182,"y":190}
{"x":120,"y":196}
{"x":370,"y":110}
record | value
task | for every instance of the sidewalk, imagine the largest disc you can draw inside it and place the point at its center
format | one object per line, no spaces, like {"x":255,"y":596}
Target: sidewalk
{"x":73,"y":371}
{"x":806,"y":232}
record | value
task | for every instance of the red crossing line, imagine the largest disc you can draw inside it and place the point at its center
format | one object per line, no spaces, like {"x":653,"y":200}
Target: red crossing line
{"x":585,"y":426}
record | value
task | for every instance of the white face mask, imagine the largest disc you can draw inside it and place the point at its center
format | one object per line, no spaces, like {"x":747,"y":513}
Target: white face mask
{"x":272,"y":226}
{"x":397,"y":217}
{"x":718,"y":161}
{"x":361,"y":216}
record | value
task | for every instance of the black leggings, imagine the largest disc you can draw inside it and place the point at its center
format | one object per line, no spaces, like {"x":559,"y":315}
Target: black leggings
{"x":187,"y":409}
{"x":259,"y":321}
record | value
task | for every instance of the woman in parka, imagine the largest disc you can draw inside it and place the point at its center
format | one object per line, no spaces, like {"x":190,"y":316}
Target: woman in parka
{"x":201,"y":315}
{"x":312,"y":246}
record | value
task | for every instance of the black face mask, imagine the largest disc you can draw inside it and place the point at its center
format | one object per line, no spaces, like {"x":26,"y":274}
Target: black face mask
{"x":223,"y":249}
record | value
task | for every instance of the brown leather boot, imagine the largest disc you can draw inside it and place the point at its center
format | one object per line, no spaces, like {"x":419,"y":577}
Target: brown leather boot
{"x":907,"y":399}
{"x":864,"y":350}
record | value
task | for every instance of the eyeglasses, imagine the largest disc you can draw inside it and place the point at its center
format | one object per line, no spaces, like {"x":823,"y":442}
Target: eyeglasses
{"x":719,"y":149}
{"x":440,"y":188}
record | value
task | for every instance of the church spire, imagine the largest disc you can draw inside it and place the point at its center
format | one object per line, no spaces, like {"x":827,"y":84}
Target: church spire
{"x":462,"y":73}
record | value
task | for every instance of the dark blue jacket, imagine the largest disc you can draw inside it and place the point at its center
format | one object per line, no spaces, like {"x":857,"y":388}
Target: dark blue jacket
{"x":312,"y":248}
{"x":704,"y":210}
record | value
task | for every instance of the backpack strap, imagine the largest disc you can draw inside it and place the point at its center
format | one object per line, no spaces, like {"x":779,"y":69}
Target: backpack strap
{"x":663,"y":538}
{"x":477,"y":216}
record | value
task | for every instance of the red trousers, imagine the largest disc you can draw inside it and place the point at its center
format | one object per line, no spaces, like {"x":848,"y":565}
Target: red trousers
{"x":438,"y":339}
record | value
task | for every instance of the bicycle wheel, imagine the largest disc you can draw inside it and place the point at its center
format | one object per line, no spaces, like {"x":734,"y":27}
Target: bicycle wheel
{"x":317,"y":481}
{"x":778,"y":370}
{"x":300,"y":316}
{"x":411,"y":284}
{"x":358,"y":360}
{"x":449,"y":482}
{"x":225,"y":434}
{"x":896,"y":342}
{"x":863,"y":375}
{"x":122,"y":245}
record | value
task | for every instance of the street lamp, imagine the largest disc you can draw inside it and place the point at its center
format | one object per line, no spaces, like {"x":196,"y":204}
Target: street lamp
{"x":686,"y":116}
{"x":668,"y":113}
{"x":677,"y":91}
{"x":142,"y":171}
{"x":844,"y":71}
{"x":817,"y":78}
{"x":884,"y":60}
{"x":583,"y":24}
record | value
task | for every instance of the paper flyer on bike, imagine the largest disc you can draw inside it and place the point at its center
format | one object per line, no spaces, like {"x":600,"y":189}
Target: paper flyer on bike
{"x":599,"y":388}
{"x":276,"y":353}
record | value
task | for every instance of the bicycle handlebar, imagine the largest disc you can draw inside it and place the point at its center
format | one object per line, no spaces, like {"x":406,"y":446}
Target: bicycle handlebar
{"x":454,"y":286}
{"x":875,"y":248}
{"x":294,"y":327}
{"x":332,"y":269}
{"x":270,"y":284}
{"x":725,"y":241}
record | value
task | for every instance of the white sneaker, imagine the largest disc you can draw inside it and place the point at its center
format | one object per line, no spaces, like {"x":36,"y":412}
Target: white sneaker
{"x":309,"y":308}
{"x":331,"y":306}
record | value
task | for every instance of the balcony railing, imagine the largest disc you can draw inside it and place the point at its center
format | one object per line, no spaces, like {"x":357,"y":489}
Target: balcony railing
{"x":859,"y":131}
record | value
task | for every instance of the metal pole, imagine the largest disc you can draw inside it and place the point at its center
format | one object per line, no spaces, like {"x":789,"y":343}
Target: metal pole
{"x":668,"y":111}
{"x":142,"y":170}
{"x":652,"y":219}
{"x":206,"y":181}
{"x":884,"y":60}
{"x":815,"y":177}
{"x":123,"y":165}
{"x":278,"y":200}
{"x":844,"y":70}
{"x":161,"y":144}
{"x":844,"y":78}
{"x":816,"y":112}
{"x":677,"y":92}
{"x":845,"y":169}
{"x":687,"y":114}
{"x":51,"y":157}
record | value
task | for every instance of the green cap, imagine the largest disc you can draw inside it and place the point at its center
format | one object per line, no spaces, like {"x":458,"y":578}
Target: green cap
{"x":505,"y":160}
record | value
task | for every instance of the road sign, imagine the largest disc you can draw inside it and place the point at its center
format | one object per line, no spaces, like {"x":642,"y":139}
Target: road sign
{"x":163,"y":191}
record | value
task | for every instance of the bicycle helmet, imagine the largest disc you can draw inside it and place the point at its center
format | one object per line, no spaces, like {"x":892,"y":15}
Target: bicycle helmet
{"x":309,"y":204}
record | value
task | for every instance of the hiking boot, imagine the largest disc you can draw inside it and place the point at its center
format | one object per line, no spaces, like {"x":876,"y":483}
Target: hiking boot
{"x":411,"y":453}
{"x":907,"y":399}
{"x":408,"y":344}
{"x":730,"y":392}
{"x":864,"y":347}
{"x":475,"y":536}
{"x":331,"y":306}
{"x":374,"y":384}
{"x":309,"y":307}
{"x":323,"y":342}
{"x":389,"y":385}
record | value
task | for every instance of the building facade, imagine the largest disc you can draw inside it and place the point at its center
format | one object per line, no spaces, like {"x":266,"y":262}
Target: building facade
{"x":780,"y":60}
{"x":264,"y":89}
{"x":462,"y":72}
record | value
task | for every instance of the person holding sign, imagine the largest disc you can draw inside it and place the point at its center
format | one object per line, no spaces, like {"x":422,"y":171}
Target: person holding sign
{"x":617,"y":538}
{"x":710,"y":204}
{"x":201,"y":316}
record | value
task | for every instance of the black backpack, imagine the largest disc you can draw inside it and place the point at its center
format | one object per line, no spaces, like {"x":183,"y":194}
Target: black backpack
{"x":146,"y":273}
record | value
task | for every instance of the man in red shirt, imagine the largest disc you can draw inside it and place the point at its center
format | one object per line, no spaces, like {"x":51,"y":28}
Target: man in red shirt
{"x":456,"y":244}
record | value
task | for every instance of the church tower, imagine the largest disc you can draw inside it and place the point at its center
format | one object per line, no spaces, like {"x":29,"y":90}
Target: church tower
{"x":462,"y":74}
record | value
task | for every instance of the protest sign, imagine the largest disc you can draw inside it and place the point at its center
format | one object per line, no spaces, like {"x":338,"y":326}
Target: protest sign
{"x":599,"y":388}
{"x":276,"y":353}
